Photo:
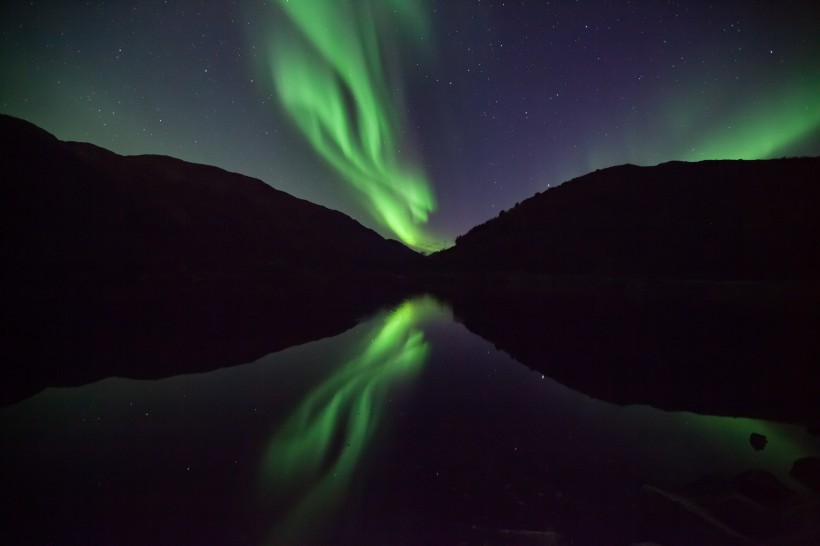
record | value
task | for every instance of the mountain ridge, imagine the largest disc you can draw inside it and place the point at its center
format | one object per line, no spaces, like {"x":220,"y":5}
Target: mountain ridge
{"x":717,"y":220}
{"x":74,"y":208}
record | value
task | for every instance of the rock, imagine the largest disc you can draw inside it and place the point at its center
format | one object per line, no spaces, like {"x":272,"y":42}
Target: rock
{"x":758,"y":441}
{"x":802,"y":518}
{"x":803,"y":538}
{"x":807,"y":472}
{"x":521,"y":537}
{"x":709,"y":484}
{"x":678,"y":521}
{"x":744,"y":515}
{"x":762,"y":487}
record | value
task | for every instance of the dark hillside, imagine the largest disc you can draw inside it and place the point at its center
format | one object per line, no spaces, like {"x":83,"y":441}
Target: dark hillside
{"x":73,"y":209}
{"x":149,"y":266}
{"x":717,"y":220}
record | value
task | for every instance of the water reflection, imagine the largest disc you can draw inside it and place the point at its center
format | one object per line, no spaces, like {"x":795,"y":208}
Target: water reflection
{"x":311,"y":460}
{"x":406,"y":430}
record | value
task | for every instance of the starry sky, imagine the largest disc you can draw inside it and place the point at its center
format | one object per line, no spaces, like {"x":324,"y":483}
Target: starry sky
{"x":420,"y":119}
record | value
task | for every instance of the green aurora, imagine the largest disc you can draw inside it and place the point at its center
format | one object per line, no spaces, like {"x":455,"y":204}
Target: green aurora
{"x":780,"y":121}
{"x":315,"y":453}
{"x":493,"y":102}
{"x":332,"y":80}
{"x":767,"y":130}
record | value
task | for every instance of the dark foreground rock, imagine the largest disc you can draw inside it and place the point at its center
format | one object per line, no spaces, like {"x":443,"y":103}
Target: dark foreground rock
{"x":758,"y":441}
{"x":807,"y":471}
{"x":753,"y":508}
{"x":678,"y":520}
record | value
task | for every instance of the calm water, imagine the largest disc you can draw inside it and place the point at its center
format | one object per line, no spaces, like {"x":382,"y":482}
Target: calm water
{"x":407,"y":429}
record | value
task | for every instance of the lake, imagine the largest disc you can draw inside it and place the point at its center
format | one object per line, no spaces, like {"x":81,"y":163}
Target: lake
{"x":406,"y":429}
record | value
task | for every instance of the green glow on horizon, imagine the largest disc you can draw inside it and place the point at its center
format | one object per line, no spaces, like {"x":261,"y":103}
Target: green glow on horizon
{"x":314,"y":454}
{"x":766,"y":129}
{"x":331,"y":79}
{"x":696,"y":126}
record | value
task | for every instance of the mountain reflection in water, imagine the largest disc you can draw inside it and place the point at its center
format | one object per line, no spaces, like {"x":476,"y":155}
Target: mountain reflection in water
{"x":407,"y":429}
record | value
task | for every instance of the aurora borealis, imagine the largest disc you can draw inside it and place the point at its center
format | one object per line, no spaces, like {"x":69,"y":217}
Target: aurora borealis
{"x":419,"y":119}
{"x":332,"y":83}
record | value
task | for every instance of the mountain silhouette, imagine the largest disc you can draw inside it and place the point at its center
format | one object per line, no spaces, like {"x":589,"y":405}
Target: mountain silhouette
{"x":715,"y":220}
{"x":77,"y":210}
{"x":149,"y":266}
{"x":685,"y":285}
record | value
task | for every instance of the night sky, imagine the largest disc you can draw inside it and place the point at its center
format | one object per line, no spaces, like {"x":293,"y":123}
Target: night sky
{"x":419,"y":119}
